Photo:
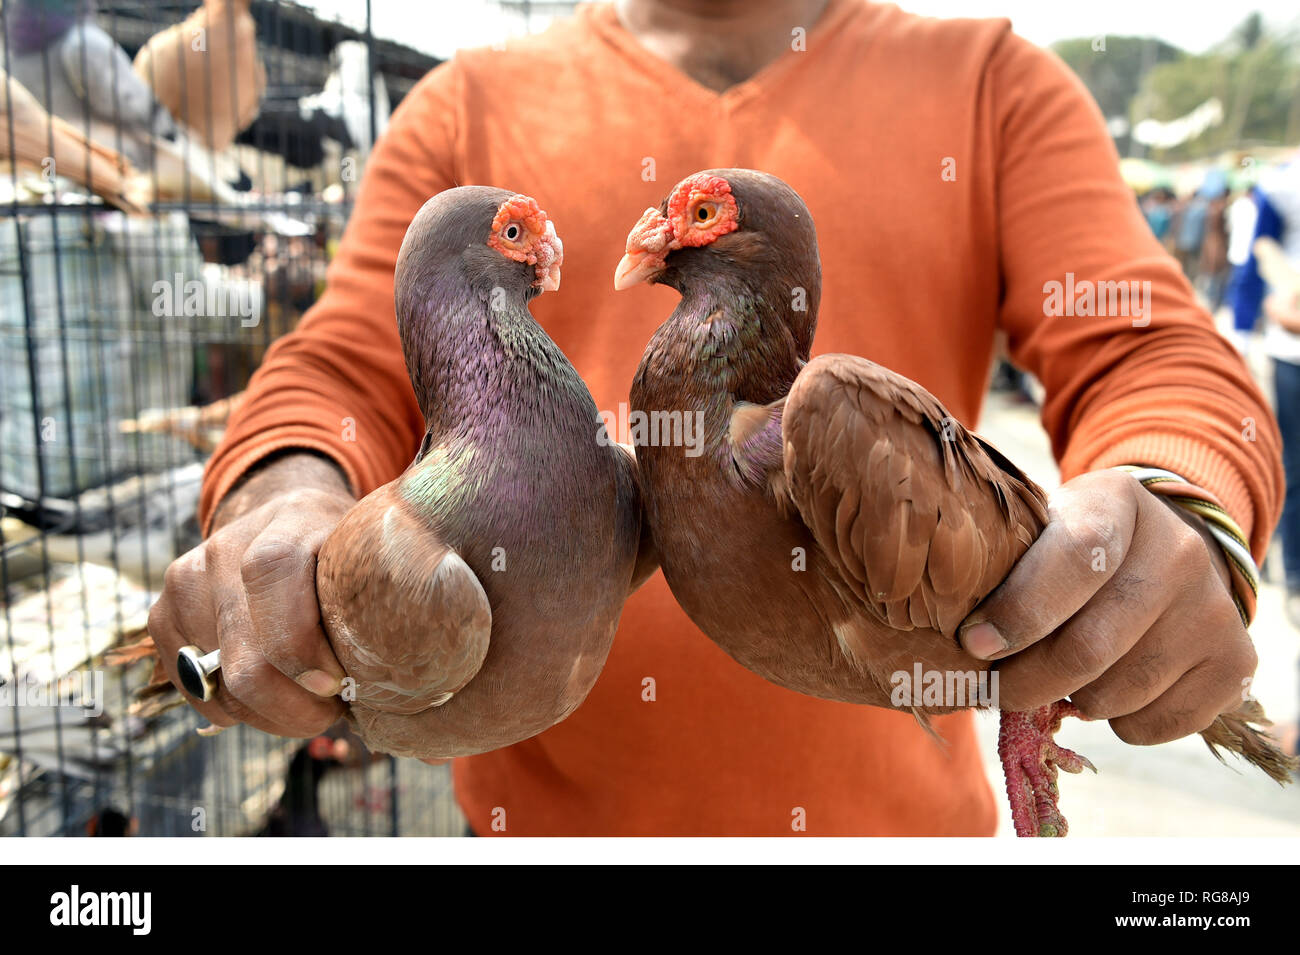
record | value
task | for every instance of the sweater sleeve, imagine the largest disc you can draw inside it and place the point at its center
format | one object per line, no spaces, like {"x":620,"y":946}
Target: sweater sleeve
{"x":337,"y":384}
{"x":1134,"y":370}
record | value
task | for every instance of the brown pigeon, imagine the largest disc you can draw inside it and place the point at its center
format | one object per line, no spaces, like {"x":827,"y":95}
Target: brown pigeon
{"x":856,"y":522}
{"x":207,"y":72}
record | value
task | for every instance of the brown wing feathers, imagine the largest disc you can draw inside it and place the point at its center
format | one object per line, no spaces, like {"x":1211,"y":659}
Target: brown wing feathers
{"x":910,"y":507}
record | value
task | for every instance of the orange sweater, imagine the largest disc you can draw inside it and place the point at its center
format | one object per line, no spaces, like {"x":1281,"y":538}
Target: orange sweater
{"x":953,"y":169}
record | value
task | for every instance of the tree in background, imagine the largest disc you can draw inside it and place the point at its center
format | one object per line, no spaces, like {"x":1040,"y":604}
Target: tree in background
{"x":1253,"y":72}
{"x":1112,"y":68}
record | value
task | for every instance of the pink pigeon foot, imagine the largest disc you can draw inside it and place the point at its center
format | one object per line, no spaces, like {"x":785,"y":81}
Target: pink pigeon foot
{"x":1030,"y":759}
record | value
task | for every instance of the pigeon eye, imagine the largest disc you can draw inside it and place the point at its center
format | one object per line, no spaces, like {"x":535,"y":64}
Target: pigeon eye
{"x":511,"y":232}
{"x":705,"y":212}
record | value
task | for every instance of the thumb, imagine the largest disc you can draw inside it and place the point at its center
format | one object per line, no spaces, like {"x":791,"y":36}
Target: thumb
{"x":1089,"y":531}
{"x":279,"y":577}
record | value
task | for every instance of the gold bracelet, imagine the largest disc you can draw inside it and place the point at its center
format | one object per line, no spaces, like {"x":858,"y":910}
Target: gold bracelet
{"x":1226,"y":532}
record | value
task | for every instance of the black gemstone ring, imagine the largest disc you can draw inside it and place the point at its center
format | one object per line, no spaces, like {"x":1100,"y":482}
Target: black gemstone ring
{"x":198,"y":671}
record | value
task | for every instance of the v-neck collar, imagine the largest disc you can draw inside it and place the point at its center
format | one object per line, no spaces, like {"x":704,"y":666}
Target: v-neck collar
{"x":604,"y":20}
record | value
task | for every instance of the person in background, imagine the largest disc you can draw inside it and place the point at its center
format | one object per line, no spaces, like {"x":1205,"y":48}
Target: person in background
{"x":1158,"y":208}
{"x":1189,"y":232}
{"x":1276,"y":201}
{"x":1212,"y":268}
{"x":1242,"y":215}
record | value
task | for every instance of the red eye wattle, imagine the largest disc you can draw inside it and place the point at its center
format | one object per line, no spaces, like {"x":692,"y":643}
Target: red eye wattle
{"x":701,"y":209}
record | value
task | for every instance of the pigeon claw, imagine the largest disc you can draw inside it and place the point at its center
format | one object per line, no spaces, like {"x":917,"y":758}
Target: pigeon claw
{"x":1030,"y":759}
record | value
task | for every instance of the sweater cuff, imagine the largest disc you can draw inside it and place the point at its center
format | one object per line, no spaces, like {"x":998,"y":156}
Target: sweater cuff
{"x":1199,"y":464}
{"x":232,"y":463}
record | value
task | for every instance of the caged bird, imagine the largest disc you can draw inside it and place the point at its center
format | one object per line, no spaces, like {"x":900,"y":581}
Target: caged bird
{"x":79,"y":73}
{"x":347,"y":96}
{"x":297,"y":812}
{"x":111,"y":822}
{"x":854,"y":523}
{"x":41,"y":144}
{"x":70,"y":740}
{"x":136,"y":526}
{"x":200,"y":426}
{"x":207,"y":71}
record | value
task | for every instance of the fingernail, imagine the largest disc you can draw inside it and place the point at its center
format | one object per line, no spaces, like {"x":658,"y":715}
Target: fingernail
{"x":983,"y":641}
{"x":320,"y":683}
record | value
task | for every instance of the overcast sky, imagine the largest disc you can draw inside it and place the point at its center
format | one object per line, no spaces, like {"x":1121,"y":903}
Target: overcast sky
{"x":441,"y":26}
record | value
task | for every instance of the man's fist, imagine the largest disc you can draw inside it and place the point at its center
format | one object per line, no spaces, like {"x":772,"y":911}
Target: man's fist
{"x":250,"y":589}
{"x":1122,"y":604}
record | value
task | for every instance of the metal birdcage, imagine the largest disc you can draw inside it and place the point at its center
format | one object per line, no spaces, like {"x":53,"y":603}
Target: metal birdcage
{"x":121,"y":320}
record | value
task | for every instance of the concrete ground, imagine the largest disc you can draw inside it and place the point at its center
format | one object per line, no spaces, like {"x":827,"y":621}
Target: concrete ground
{"x":1177,"y":789}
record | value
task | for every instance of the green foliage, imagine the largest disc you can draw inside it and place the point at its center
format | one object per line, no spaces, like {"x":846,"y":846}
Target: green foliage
{"x":1255,"y":74}
{"x":1114,"y":75}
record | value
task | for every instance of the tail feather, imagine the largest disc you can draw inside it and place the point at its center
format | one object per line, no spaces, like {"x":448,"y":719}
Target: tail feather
{"x":1234,"y":732}
{"x":155,"y":699}
{"x":158,"y":695}
{"x":129,"y":653}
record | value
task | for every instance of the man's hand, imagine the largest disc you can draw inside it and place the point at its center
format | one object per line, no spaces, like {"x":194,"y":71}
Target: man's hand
{"x":250,"y":588}
{"x":1122,"y":604}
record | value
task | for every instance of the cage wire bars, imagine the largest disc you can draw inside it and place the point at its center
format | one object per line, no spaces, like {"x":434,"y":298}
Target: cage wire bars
{"x":133,"y":310}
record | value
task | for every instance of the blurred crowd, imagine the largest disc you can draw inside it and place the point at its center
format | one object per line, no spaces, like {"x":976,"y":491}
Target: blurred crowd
{"x":1208,"y":231}
{"x":1240,"y":247}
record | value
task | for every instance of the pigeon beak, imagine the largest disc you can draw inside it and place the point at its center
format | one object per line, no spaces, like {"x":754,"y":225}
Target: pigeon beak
{"x":637,"y":267}
{"x":648,"y":245}
{"x":550,"y":282}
